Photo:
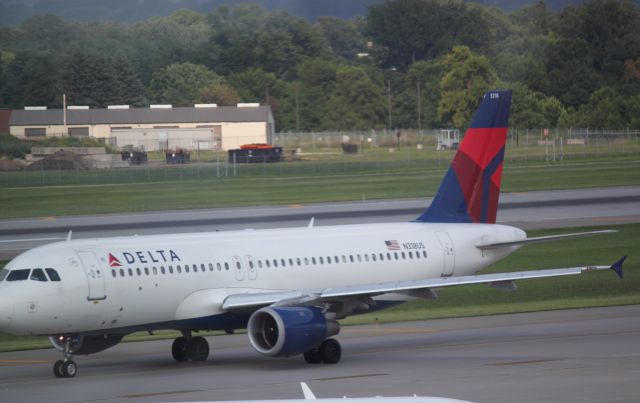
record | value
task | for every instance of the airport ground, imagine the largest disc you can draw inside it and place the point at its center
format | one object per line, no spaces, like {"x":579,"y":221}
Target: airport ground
{"x":584,"y":355}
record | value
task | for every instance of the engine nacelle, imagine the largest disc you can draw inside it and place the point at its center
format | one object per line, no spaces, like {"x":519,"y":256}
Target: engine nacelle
{"x":287,"y":331}
{"x":84,"y":345}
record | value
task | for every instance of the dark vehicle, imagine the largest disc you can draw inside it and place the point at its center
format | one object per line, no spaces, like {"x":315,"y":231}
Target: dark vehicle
{"x":134,"y":157}
{"x":256,"y":153}
{"x":178,"y":157}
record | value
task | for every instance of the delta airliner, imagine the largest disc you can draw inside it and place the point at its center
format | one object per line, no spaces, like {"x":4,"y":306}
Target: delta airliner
{"x":287,"y":287}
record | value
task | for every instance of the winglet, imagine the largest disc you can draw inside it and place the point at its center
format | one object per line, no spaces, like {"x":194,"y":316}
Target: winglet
{"x":617,"y":266}
{"x":308,"y":394}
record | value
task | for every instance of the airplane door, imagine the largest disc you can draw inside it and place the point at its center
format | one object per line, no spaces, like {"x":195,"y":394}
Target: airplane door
{"x":237,"y":264}
{"x":449,"y":257}
{"x":252,"y":271}
{"x":95,"y":275}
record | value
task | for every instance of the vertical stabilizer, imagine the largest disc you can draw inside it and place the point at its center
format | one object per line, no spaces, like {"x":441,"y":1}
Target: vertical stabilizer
{"x":470,"y":189}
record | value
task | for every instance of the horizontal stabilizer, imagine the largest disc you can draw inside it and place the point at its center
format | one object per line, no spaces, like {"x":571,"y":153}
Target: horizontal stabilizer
{"x":546,"y":238}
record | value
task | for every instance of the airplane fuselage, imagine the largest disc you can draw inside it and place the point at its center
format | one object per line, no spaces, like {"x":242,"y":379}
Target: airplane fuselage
{"x":125,"y":284}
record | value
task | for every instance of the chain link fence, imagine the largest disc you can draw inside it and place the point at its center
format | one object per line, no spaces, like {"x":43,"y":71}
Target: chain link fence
{"x":324,"y":153}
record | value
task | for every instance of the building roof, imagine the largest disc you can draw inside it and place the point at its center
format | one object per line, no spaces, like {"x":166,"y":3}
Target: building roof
{"x":21,"y":117}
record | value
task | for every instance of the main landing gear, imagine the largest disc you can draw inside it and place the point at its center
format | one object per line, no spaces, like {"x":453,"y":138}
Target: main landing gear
{"x":329,"y":352}
{"x":187,"y":348}
{"x":65,"y":368}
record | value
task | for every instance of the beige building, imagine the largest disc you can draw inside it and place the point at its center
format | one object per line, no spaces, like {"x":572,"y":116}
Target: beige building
{"x":159,"y":127}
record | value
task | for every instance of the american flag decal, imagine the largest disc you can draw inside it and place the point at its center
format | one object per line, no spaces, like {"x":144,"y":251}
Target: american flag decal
{"x":392,"y":245}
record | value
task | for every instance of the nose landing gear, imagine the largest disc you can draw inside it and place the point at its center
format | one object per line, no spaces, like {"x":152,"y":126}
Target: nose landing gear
{"x":65,"y":368}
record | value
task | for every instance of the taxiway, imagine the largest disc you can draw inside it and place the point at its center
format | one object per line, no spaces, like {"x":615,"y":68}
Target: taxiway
{"x":583,"y":355}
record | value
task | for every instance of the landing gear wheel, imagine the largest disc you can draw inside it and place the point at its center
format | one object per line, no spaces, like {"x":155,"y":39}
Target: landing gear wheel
{"x":179,"y":350}
{"x":330,"y":351}
{"x":57,"y":369}
{"x":69,"y":369}
{"x":313,"y":356}
{"x":198,"y":349}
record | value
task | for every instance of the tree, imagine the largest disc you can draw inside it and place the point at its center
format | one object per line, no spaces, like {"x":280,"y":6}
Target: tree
{"x":218,"y":93}
{"x":356,"y":103}
{"x":343,"y":36}
{"x":407,"y":31}
{"x":34,"y":78}
{"x":468,"y":76}
{"x":180,"y":84}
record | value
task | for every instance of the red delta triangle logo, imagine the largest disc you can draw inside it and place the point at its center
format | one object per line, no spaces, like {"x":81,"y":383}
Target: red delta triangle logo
{"x":113,"y":261}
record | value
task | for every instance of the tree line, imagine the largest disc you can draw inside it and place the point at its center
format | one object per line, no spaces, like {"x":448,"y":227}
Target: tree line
{"x":405,"y":64}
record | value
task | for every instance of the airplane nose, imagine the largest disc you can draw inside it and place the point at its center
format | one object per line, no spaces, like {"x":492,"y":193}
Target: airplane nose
{"x":6,"y":310}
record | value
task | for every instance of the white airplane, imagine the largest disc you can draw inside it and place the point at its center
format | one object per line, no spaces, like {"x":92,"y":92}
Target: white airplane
{"x":308,"y":395}
{"x":287,"y":287}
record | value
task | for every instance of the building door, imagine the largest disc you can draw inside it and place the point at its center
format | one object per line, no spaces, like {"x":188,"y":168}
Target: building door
{"x":448,"y":253}
{"x":95,"y":276}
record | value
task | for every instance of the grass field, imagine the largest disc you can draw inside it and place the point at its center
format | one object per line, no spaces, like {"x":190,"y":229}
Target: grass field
{"x":189,"y":187}
{"x":588,"y":290}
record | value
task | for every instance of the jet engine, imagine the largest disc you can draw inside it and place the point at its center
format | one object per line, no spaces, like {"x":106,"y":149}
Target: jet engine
{"x":84,"y":345}
{"x":287,"y":331}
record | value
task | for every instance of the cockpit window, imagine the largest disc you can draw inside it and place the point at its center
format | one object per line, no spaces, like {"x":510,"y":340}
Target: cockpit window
{"x":38,"y":275}
{"x":18,"y":275}
{"x":3,"y":274}
{"x":53,"y":275}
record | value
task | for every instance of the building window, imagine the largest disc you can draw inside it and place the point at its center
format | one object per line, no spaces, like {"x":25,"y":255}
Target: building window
{"x":79,"y":131}
{"x":35,"y":132}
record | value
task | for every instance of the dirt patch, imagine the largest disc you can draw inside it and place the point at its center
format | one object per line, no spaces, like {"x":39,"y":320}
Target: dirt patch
{"x":10,"y":165}
{"x":61,"y":160}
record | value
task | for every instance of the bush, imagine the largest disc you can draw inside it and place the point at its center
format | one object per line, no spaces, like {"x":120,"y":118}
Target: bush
{"x":12,"y":147}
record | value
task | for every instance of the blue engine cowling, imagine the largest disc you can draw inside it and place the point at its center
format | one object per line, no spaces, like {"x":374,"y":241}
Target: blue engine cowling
{"x":287,"y":331}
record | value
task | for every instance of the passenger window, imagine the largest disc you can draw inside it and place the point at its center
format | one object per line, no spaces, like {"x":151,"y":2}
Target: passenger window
{"x":381,"y":257}
{"x":259,"y":264}
{"x":186,"y":268}
{"x":146,"y":271}
{"x":38,"y":275}
{"x":53,"y":275}
{"x":328,"y":259}
{"x":170,"y":269}
{"x":313,"y":260}
{"x":410,"y":255}
{"x":219,"y":266}
{"x":290,"y":262}
{"x":202,"y":268}
{"x":306,"y":261}
{"x":359,"y":258}
{"x":299,"y":262}
{"x":155,"y":271}
{"x":162,"y":269}
{"x":275,"y":263}
{"x":351,"y":258}
{"x":424,"y":253}
{"x":395,"y":254}
{"x":121,"y":273}
{"x":138,"y":271}
{"x":321,"y":260}
{"x":283,"y":263}
{"x":178,"y":269}
{"x":210,"y":267}
{"x":404,"y":256}
{"x":251,"y":264}
{"x":18,"y":275}
{"x":373,"y":257}
{"x":130,"y":272}
{"x":344,"y":259}
{"x":114,"y":273}
{"x":226,"y":266}
{"x":195,"y":268}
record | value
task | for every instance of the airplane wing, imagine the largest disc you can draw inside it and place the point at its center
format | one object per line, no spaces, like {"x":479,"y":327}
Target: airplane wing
{"x":498,"y":280}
